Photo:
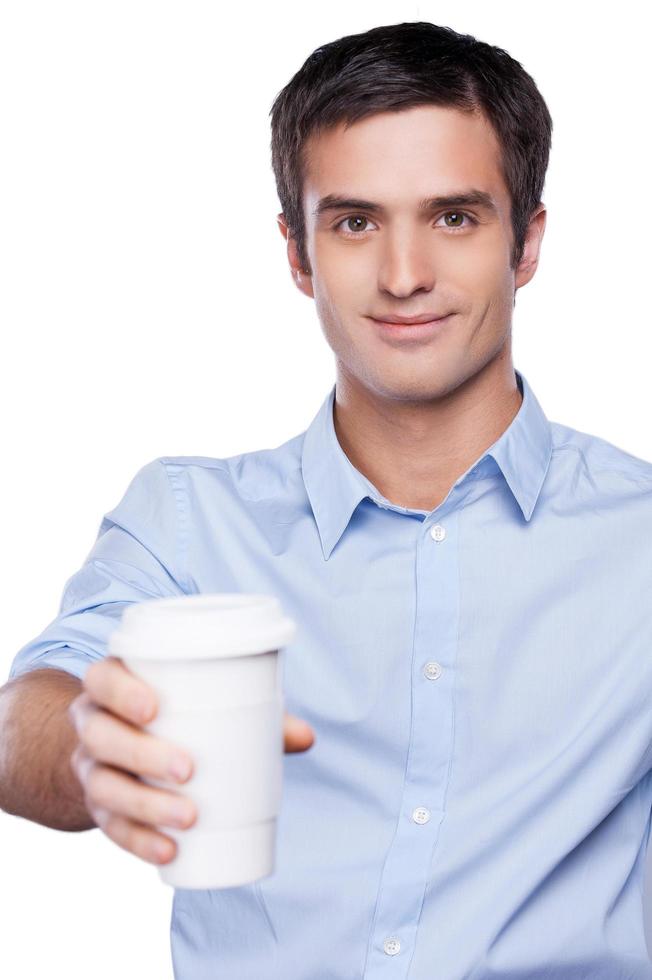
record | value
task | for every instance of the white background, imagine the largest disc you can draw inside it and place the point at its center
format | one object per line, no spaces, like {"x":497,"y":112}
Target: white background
{"x":148,"y":310}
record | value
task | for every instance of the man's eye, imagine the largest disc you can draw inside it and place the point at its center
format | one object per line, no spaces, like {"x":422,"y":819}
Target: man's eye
{"x":457,"y":216}
{"x":356,"y":218}
{"x":357,"y":223}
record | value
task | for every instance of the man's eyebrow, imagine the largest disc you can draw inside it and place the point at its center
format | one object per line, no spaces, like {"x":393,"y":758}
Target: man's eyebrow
{"x":458,"y":199}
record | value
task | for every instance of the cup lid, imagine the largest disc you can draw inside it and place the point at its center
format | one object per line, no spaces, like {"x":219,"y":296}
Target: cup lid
{"x":221,"y":624}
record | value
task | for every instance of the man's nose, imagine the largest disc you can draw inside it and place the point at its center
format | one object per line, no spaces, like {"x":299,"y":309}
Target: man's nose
{"x":406,"y":265}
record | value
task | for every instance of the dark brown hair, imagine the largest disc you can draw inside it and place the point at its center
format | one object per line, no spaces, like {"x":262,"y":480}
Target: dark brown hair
{"x":402,"y":65}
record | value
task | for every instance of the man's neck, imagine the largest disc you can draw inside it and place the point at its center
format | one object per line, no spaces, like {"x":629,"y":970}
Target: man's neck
{"x":413,"y":452}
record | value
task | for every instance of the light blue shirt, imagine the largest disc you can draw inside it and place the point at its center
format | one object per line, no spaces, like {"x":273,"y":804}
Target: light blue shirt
{"x":476,"y":804}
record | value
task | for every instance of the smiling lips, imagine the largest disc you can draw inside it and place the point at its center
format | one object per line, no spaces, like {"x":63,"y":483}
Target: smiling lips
{"x":411,"y":330}
{"x":407,"y":320}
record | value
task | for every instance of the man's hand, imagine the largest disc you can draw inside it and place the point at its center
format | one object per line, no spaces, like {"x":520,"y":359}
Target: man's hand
{"x":113,"y":751}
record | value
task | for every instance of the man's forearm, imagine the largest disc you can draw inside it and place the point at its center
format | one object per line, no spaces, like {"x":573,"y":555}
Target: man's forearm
{"x":37,"y":738}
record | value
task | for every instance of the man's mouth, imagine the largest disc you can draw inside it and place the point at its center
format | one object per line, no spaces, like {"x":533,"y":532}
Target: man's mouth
{"x":417,"y":329}
{"x":409,"y":320}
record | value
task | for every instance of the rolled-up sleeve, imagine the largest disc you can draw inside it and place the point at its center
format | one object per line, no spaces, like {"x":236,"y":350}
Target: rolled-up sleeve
{"x":135,"y":557}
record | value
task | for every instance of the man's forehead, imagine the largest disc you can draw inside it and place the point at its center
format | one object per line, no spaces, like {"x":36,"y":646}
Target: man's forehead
{"x":453,"y":149}
{"x":422,"y":122}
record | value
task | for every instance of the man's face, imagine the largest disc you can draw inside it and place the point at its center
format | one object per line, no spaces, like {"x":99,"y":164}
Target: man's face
{"x":399,"y":260}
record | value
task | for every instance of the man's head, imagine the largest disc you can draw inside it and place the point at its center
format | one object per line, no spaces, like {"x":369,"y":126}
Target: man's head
{"x":388,"y":120}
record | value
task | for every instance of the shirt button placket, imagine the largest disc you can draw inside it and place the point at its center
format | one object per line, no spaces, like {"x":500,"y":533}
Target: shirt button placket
{"x":413,"y":852}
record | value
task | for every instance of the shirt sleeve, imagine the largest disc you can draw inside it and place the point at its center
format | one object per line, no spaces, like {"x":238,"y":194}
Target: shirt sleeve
{"x":134,"y":558}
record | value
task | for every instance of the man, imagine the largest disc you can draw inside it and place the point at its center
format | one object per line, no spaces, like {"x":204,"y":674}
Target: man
{"x":472,"y":671}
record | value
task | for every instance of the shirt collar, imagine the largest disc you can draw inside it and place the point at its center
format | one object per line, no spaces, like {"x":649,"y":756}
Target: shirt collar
{"x":335,"y":487}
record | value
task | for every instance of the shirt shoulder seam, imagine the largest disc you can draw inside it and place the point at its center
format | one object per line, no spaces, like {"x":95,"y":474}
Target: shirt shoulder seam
{"x":609,"y":467}
{"x":182,"y":509}
{"x":206,"y":462}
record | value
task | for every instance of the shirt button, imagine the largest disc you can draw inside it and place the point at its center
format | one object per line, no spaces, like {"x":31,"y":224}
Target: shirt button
{"x":392,"y":946}
{"x":421,"y":815}
{"x":432,"y":670}
{"x":437,"y":532}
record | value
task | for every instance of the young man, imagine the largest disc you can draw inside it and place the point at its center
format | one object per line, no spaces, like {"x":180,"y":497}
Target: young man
{"x":472,"y":671}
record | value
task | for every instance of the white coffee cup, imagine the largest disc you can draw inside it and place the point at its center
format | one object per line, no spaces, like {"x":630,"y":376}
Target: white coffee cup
{"x":213,"y":660}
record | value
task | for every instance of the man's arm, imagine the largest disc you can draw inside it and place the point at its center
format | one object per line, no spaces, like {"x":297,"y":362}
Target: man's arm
{"x":37,"y":738}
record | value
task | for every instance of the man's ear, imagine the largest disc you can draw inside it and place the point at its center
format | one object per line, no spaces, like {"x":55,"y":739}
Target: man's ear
{"x":533,"y":238}
{"x":282,"y":224}
{"x":301,"y":278}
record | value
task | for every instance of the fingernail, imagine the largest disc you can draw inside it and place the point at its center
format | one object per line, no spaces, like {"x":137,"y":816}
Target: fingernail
{"x":180,"y":814}
{"x":180,"y":767}
{"x":161,"y":851}
{"x":141,"y":708}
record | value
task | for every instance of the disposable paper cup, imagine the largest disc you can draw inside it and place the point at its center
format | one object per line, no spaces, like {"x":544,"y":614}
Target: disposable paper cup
{"x":213,"y":661}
